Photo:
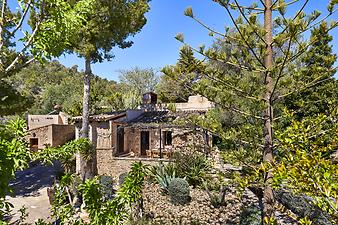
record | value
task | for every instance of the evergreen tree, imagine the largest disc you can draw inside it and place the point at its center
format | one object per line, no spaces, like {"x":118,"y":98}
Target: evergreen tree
{"x":265,"y":57}
{"x":176,"y":86}
{"x":109,"y":25}
{"x":316,"y":64}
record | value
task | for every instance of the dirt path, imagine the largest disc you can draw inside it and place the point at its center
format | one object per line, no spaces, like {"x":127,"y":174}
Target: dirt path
{"x":30,"y":188}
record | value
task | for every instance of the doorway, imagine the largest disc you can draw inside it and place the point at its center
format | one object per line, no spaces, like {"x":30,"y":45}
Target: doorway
{"x":144,"y":142}
{"x":120,"y":139}
{"x":34,"y":144}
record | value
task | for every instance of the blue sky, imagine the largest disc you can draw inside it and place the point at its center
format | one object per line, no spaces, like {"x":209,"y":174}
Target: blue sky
{"x":155,"y":46}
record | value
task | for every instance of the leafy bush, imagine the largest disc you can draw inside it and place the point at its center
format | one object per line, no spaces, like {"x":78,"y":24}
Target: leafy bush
{"x":66,"y":153}
{"x":193,"y":166}
{"x":305,"y":166}
{"x":122,"y":177}
{"x":101,"y":210}
{"x":251,"y":215}
{"x":216,"y":192}
{"x":163,"y":174}
{"x":14,"y":156}
{"x":179,"y":191}
{"x":107,"y":187}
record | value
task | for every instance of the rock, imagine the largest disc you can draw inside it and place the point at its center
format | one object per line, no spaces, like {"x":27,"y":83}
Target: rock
{"x":302,"y":206}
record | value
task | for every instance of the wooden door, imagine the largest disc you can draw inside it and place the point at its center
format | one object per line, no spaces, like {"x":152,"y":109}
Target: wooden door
{"x":120,"y":139}
{"x":144,"y":142}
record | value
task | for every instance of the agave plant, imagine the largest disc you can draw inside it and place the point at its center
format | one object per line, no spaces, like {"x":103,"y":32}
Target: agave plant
{"x":163,"y":175}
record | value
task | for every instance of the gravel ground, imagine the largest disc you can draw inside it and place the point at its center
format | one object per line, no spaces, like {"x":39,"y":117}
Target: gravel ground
{"x":199,"y":210}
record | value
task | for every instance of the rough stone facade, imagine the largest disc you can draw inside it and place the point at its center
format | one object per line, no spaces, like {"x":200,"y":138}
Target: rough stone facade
{"x":149,"y":132}
{"x":35,"y":121}
{"x":115,"y":166}
{"x":109,"y":164}
{"x":50,"y":135}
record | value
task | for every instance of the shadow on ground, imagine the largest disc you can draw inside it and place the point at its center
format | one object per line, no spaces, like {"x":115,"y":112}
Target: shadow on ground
{"x":29,"y":181}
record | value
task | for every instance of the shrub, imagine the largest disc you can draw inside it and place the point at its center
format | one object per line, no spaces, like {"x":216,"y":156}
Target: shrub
{"x":250,"y":215}
{"x":179,"y":191}
{"x":216,"y":192}
{"x":193,"y":166}
{"x":107,"y":187}
{"x":122,"y":177}
{"x":163,"y":174}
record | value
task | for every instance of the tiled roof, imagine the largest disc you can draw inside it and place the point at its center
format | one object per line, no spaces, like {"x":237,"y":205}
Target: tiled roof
{"x":103,"y":117}
{"x":155,"y":117}
{"x":161,"y":118}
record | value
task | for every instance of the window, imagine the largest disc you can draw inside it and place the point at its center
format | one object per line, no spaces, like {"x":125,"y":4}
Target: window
{"x":34,"y":143}
{"x":168,"y":139}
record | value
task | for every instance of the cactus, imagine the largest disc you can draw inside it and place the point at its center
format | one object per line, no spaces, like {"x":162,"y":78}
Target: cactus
{"x":179,"y":191}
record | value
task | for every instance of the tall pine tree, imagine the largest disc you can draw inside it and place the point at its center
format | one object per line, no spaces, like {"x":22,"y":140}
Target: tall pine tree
{"x":316,"y":64}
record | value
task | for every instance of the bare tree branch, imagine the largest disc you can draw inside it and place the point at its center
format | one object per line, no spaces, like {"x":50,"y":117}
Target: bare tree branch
{"x":227,"y":62}
{"x":263,"y":3}
{"x":212,"y":30}
{"x":23,"y":16}
{"x":231,"y":108}
{"x":27,"y":45}
{"x":241,"y":92}
{"x":249,"y":8}
{"x":2,"y":25}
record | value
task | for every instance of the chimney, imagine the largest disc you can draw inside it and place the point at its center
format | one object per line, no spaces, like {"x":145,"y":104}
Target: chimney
{"x":149,"y":98}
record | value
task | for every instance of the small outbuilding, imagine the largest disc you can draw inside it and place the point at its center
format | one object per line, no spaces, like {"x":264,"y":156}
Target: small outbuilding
{"x":49,"y":130}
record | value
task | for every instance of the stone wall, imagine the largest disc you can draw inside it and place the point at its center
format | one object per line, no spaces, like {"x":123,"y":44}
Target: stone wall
{"x":62,"y":134}
{"x":43,"y":134}
{"x":115,"y":166}
{"x":181,"y":138}
{"x":52,"y":135}
{"x":104,"y":159}
{"x":35,"y":121}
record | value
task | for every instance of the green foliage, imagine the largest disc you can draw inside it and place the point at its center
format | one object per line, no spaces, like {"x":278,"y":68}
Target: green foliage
{"x":216,"y":191}
{"x":305,"y":166}
{"x":163,"y":175}
{"x":107,"y":187}
{"x":62,"y":207}
{"x":123,"y":100}
{"x":66,"y":153}
{"x":101,"y":210}
{"x":47,"y":26}
{"x":250,"y":215}
{"x":139,"y":80}
{"x":101,"y":34}
{"x":11,"y":101}
{"x":46,"y":85}
{"x":176,"y":83}
{"x":179,"y":191}
{"x":193,"y":166}
{"x":248,"y":81}
{"x":316,"y":64}
{"x":61,"y":20}
{"x":14,"y":156}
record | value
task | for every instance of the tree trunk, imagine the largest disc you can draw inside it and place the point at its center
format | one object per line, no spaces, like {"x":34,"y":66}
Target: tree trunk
{"x":268,"y":198}
{"x":2,"y":28}
{"x":85,"y":167}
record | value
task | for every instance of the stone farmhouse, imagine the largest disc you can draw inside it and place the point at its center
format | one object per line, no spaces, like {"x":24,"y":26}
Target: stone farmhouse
{"x":150,"y":132}
{"x":49,"y":130}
